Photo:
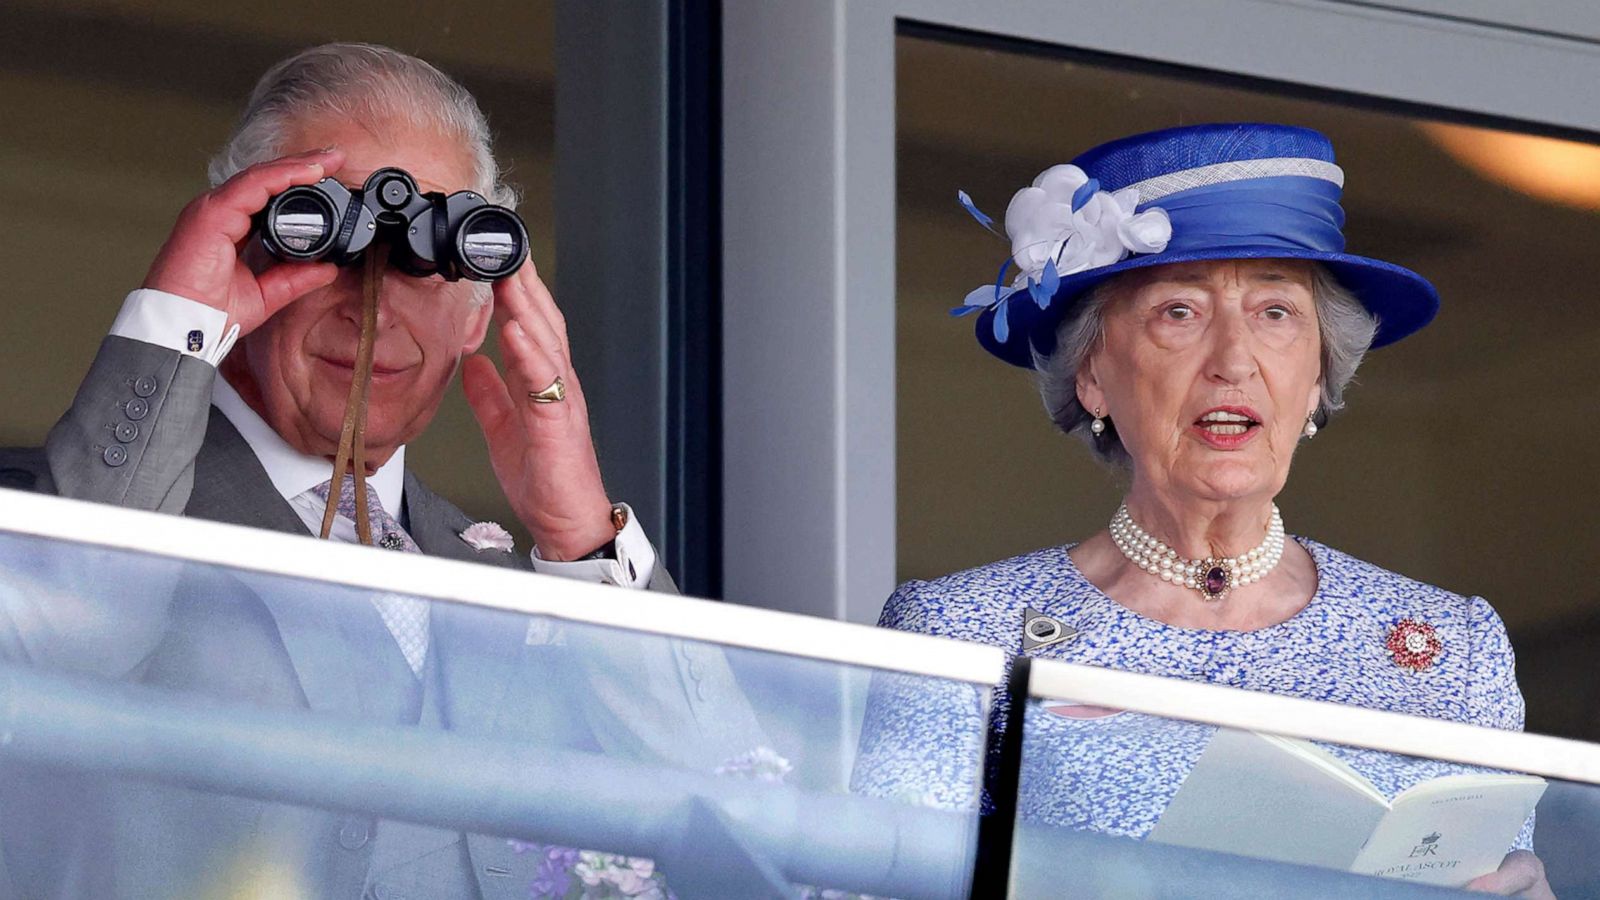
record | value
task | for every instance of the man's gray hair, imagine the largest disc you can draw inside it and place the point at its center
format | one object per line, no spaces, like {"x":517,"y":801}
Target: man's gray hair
{"x":1345,"y":325}
{"x":366,"y":83}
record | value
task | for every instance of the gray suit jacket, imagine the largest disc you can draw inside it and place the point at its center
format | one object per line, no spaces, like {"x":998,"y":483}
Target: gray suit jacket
{"x":252,"y":640}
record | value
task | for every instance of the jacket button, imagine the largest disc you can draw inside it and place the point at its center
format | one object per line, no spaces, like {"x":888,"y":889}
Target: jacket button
{"x":127,"y":432}
{"x":353,"y":834}
{"x":145,"y":386}
{"x":115,"y":455}
{"x":136,"y":409}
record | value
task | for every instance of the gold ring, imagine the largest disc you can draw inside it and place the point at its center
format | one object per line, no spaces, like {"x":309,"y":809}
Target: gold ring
{"x":555,"y":393}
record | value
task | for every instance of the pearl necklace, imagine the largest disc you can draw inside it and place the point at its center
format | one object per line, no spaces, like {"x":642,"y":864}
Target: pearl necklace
{"x":1213,"y":578}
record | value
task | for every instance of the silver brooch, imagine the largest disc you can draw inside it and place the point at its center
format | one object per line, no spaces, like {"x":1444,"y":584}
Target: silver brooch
{"x":1040,"y":630}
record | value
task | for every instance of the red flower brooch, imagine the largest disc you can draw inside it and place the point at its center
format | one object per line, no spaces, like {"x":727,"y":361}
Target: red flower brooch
{"x":1414,"y":644}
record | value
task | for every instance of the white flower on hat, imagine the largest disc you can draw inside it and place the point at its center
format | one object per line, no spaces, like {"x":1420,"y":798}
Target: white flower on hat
{"x":1062,"y":224}
{"x":1065,"y":218}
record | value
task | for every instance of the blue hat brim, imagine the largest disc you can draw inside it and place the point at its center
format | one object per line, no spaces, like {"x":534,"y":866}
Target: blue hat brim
{"x":1401,"y":300}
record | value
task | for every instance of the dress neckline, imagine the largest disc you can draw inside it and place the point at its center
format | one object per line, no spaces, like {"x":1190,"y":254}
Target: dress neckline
{"x":1318,"y":599}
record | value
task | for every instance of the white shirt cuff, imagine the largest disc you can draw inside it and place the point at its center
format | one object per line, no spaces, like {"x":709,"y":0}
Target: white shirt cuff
{"x":176,"y":323}
{"x":634,"y":566}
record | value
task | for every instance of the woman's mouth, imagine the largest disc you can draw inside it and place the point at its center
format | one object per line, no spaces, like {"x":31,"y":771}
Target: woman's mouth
{"x":1227,"y":427}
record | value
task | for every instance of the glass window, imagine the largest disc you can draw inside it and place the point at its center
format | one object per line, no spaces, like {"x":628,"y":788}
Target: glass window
{"x":1119,"y":786}
{"x":1462,"y":459}
{"x":181,"y":728}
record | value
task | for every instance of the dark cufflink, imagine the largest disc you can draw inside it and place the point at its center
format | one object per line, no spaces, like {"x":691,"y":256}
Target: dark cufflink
{"x":1039,"y":630}
{"x":197,"y":341}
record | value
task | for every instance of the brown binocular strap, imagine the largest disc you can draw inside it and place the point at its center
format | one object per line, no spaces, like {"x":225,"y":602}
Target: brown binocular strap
{"x":352,"y":455}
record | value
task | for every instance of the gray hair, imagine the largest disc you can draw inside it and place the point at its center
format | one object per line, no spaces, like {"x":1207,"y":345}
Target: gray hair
{"x":366,"y":83}
{"x":1346,"y":329}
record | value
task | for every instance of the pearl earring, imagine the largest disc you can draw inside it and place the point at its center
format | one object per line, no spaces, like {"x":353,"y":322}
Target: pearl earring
{"x":1098,"y":426}
{"x":1310,"y":431}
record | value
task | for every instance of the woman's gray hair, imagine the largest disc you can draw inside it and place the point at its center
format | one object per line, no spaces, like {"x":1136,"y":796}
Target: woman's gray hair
{"x":1345,"y":325}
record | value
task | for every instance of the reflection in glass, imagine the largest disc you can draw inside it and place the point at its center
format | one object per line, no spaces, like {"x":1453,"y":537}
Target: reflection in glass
{"x":220,"y":731}
{"x":490,"y":243}
{"x":302,"y":223}
{"x":1564,"y":172}
{"x":1154,"y":801}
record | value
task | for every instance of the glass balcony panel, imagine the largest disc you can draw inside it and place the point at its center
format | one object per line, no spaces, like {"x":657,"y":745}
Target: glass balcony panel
{"x":179,"y":727}
{"x":1133,"y":783}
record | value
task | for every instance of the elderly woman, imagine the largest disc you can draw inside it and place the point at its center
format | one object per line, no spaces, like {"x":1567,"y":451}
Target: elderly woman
{"x":1191,"y":313}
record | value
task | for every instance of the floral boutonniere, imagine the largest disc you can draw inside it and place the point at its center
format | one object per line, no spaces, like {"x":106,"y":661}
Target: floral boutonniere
{"x":568,"y":874}
{"x":760,"y":764}
{"x":487,"y":536}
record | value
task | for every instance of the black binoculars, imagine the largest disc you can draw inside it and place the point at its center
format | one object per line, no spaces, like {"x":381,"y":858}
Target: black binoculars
{"x":457,"y":236}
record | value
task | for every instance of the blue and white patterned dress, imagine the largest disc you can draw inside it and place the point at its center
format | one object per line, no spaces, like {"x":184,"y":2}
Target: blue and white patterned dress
{"x":1117,"y":773}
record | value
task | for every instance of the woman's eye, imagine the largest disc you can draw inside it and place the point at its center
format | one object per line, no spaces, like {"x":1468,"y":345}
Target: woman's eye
{"x":1179,"y":312}
{"x":1277,"y":312}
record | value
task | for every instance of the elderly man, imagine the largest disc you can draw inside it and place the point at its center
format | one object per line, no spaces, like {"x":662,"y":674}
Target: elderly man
{"x":179,"y":435}
{"x":220,"y":394}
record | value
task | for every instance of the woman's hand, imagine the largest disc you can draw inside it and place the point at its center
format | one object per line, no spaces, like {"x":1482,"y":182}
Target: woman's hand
{"x":1521,"y":874}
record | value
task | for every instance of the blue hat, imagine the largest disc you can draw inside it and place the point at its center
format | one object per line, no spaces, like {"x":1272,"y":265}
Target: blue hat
{"x":1202,"y":192}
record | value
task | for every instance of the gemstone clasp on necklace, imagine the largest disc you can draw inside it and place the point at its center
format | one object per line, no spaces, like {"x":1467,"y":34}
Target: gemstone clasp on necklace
{"x":1212,"y":577}
{"x":1218,"y":579}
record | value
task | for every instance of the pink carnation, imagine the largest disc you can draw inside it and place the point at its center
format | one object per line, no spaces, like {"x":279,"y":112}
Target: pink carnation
{"x":487,"y":536}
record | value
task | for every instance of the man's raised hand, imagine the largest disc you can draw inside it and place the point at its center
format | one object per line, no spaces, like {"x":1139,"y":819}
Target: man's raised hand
{"x":201,"y":259}
{"x":542,"y":453}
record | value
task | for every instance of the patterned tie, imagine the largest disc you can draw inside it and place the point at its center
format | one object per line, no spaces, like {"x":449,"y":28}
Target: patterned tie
{"x":407,"y":617}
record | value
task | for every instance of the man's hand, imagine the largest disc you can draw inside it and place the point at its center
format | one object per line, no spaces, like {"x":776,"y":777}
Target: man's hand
{"x":541,"y":452}
{"x":200,"y":260}
{"x":1521,"y":874}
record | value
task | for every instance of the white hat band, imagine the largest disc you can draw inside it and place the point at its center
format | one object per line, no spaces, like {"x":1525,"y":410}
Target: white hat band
{"x":1153,"y":189}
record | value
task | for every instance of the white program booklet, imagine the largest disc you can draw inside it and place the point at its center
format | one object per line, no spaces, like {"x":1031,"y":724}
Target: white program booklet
{"x":1289,"y":800}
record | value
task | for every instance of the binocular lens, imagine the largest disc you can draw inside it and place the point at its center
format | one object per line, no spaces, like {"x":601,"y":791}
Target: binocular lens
{"x":491,"y":244}
{"x":302,"y":223}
